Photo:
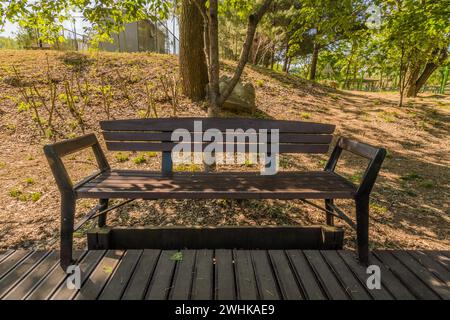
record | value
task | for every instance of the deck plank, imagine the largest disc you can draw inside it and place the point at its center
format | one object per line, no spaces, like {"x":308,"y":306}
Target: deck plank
{"x":100,"y":276}
{"x":53,"y":280}
{"x":5,"y":254}
{"x":119,"y":280}
{"x":349,"y":282}
{"x":203,"y":282}
{"x":440,"y":257}
{"x":391,"y":281}
{"x":20,"y":271}
{"x":284,"y":275}
{"x":140,"y":279}
{"x":12,"y":260}
{"x":433,"y":266}
{"x":265,"y":279}
{"x":160,"y":284}
{"x":436,"y":285}
{"x":87,"y":265}
{"x":32,"y":279}
{"x":225,"y":288}
{"x":326,"y":277}
{"x":305,"y":275}
{"x":360,"y":272}
{"x":184,"y":274}
{"x":417,"y":287}
{"x":245,"y":276}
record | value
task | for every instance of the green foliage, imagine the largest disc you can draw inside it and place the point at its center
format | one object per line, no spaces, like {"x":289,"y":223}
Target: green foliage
{"x":177,"y":256}
{"x":29,"y":181}
{"x":45,"y":18}
{"x":35,"y":196}
{"x":121,"y":157}
{"x":187,"y":168}
{"x":8,"y":43}
{"x":15,"y":192}
{"x":140,"y":159}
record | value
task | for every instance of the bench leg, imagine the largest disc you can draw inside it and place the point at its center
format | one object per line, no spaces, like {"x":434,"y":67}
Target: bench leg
{"x":362,"y":228}
{"x":330,"y":217}
{"x":102,"y":218}
{"x":67,"y":223}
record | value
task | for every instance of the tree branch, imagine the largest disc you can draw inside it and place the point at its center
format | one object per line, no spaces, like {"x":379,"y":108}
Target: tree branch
{"x":253,"y":21}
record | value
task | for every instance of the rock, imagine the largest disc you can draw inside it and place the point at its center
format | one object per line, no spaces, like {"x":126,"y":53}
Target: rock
{"x":242,"y":99}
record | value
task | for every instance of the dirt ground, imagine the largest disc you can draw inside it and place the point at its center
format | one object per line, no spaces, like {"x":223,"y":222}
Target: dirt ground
{"x":409,"y":205}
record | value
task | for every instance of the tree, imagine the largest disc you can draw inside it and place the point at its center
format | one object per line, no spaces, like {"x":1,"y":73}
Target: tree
{"x":193,"y":68}
{"x":417,"y":32}
{"x":325,"y":21}
{"x":210,"y":16}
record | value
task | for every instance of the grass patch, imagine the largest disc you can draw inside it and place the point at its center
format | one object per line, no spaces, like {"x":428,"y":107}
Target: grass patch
{"x":121,"y":157}
{"x":15,"y":193}
{"x":427,"y":184}
{"x":388,"y":116}
{"x":187,"y":167}
{"x":259,"y":83}
{"x":356,"y":177}
{"x":140,"y":159}
{"x":377,"y":208}
{"x":35,"y":196}
{"x":29,"y":181}
{"x":18,"y":194}
{"x":411,"y":177}
{"x":305,"y":115}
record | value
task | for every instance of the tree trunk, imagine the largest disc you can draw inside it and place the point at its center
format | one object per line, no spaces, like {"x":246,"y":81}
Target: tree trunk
{"x":286,"y":57}
{"x":253,"y":21}
{"x":214,"y":90}
{"x":193,"y":67}
{"x":256,"y":51}
{"x":417,"y":82}
{"x":272,"y":56}
{"x":315,"y":58}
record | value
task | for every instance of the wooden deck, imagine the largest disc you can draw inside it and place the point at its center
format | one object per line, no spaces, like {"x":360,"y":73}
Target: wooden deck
{"x":225,"y":274}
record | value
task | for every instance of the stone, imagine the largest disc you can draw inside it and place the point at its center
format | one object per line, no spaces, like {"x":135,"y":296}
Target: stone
{"x":242,"y":99}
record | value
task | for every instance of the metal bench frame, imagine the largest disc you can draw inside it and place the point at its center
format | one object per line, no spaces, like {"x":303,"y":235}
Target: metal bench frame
{"x":55,"y":152}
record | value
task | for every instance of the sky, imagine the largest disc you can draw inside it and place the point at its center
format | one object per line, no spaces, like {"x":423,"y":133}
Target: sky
{"x":10,"y":29}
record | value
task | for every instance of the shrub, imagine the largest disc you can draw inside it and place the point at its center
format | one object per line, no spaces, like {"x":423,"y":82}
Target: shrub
{"x":120,"y":157}
{"x":140,"y":159}
{"x":35,"y":196}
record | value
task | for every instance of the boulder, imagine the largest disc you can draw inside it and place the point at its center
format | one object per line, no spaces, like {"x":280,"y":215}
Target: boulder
{"x":242,"y":99}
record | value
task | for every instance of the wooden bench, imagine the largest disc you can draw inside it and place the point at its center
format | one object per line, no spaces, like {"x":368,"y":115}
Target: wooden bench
{"x":155,"y":135}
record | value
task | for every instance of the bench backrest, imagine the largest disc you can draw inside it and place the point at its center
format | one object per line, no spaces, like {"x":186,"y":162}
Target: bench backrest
{"x":156,"y":134}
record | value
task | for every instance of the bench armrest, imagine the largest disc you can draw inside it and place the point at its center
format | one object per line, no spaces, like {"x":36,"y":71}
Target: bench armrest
{"x":373,"y":154}
{"x":55,"y":152}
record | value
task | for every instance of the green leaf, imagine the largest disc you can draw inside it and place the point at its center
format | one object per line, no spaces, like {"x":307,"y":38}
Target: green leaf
{"x":107,"y":269}
{"x":177,"y":256}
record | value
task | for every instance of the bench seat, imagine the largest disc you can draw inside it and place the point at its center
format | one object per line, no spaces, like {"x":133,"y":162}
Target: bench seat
{"x":134,"y":184}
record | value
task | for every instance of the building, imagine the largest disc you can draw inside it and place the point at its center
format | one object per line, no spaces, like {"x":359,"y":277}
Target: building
{"x":141,"y":35}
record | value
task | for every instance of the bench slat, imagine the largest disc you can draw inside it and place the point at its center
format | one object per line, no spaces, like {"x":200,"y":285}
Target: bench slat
{"x":287,"y":185}
{"x":170,"y":124}
{"x":247,"y":147}
{"x":167,"y":137}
